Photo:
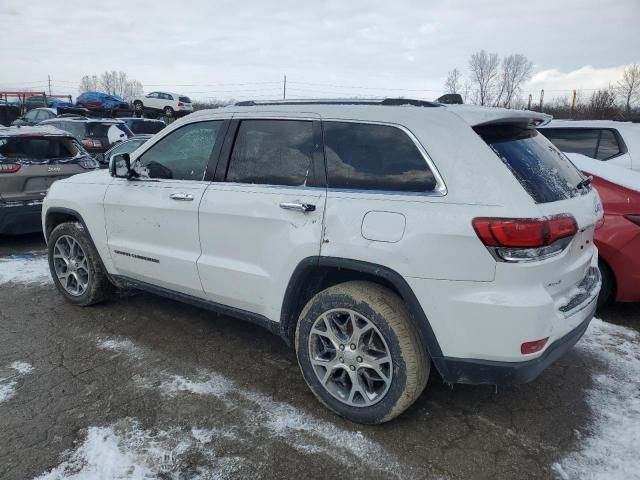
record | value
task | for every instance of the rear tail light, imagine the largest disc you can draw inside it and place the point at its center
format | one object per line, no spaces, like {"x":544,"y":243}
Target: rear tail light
{"x":533,"y":347}
{"x":92,"y":143}
{"x":633,"y":218}
{"x":9,"y":167}
{"x":180,"y":104}
{"x":89,"y":164}
{"x":525,"y":239}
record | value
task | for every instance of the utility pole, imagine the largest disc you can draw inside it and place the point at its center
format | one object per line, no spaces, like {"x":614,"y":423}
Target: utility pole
{"x":573,"y":103}
{"x":49,"y":78}
{"x":541,"y":99}
{"x":284,"y":88}
{"x":529,"y":105}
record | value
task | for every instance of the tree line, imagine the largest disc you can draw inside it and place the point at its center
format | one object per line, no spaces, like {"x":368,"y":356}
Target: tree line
{"x":498,"y":82}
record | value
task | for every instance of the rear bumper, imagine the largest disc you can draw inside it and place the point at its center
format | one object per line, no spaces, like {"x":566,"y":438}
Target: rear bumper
{"x":20,"y":217}
{"x":460,"y":370}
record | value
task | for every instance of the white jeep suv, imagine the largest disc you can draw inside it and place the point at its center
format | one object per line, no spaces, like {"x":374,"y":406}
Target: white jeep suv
{"x":379,"y":238}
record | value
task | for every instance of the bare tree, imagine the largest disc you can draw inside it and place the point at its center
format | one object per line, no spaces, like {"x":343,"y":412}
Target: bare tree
{"x":88,"y":84}
{"x":515,"y":70}
{"x":629,"y":87}
{"x":113,"y":83}
{"x":453,"y":83}
{"x":484,"y":73}
{"x":603,"y":104}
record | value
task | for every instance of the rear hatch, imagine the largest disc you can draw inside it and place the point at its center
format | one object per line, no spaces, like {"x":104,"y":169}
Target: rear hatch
{"x":184,"y":103}
{"x":29,"y":164}
{"x":101,"y":136}
{"x":559,"y":191}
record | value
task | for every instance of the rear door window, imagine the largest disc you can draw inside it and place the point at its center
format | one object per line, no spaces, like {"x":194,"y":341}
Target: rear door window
{"x":272,"y":152}
{"x":544,"y":172}
{"x":374,"y":157}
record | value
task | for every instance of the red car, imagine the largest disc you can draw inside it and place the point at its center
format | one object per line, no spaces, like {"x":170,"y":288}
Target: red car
{"x":617,"y":236}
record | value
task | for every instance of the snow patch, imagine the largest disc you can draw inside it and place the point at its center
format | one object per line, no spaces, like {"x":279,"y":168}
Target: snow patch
{"x":8,"y":384}
{"x":121,"y":346}
{"x":610,"y":450}
{"x":25,"y":269}
{"x":125,"y":450}
{"x":208,"y":384}
{"x":23,"y":368}
{"x":607,"y":171}
{"x":268,"y":418}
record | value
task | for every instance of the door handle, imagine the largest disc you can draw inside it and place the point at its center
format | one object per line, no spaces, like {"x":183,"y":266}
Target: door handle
{"x":298,"y":207}
{"x":184,"y":197}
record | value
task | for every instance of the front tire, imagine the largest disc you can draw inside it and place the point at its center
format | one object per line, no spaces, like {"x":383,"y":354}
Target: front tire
{"x":75,"y":266}
{"x":168,"y":112}
{"x":138,"y":106}
{"x":359,"y":352}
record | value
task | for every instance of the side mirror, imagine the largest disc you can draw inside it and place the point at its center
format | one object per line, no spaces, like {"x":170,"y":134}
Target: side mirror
{"x":120,"y":165}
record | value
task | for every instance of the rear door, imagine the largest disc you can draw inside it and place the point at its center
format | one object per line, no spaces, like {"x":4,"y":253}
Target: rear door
{"x":152,"y":223}
{"x":263,"y":213}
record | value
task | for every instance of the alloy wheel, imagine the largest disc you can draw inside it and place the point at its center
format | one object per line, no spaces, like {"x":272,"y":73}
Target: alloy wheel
{"x":71,"y":265}
{"x":350,"y":357}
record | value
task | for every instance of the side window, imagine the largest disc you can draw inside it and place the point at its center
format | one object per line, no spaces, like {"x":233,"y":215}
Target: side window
{"x":153,"y":95}
{"x":573,"y":140}
{"x":272,"y":152}
{"x":608,"y":146}
{"x":184,"y":153}
{"x":374,"y":157}
{"x":31,"y":116}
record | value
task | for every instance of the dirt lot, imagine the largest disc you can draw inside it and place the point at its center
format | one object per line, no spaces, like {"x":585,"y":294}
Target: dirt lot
{"x":147,"y":386}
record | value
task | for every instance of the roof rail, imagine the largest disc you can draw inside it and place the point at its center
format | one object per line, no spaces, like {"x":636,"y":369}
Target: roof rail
{"x":341,"y":101}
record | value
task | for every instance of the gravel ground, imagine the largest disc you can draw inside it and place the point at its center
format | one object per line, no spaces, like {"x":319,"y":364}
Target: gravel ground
{"x":145,"y":387}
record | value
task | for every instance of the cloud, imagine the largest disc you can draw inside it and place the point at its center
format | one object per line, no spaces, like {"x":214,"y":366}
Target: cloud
{"x":558,"y":83}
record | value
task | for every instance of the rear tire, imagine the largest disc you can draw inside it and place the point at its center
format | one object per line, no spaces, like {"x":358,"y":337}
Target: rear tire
{"x":138,"y":106}
{"x":74,"y":261}
{"x":377,"y":364}
{"x":608,"y":289}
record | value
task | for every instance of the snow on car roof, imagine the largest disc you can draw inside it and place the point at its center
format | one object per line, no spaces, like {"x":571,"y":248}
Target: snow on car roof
{"x":38,"y":130}
{"x":607,"y":171}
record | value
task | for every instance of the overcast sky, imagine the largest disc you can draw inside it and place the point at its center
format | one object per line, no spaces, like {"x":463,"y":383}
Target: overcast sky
{"x":242,"y":49}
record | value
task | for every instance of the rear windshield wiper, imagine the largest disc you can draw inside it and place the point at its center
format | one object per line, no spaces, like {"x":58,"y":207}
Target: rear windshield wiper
{"x":584,"y":183}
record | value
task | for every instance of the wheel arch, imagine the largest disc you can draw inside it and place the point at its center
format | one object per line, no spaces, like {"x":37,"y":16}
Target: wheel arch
{"x":314,"y":274}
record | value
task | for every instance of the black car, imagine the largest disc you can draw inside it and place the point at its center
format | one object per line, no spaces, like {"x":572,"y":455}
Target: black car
{"x":97,"y":135}
{"x":144,"y":126}
{"x":35,"y":116}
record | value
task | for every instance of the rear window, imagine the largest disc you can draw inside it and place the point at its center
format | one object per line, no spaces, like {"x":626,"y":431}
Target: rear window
{"x":39,"y":148}
{"x":184,"y":99}
{"x":544,"y":172}
{"x":76,"y":129}
{"x":374,"y":157}
{"x":146,"y":127}
{"x":115,"y":132}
